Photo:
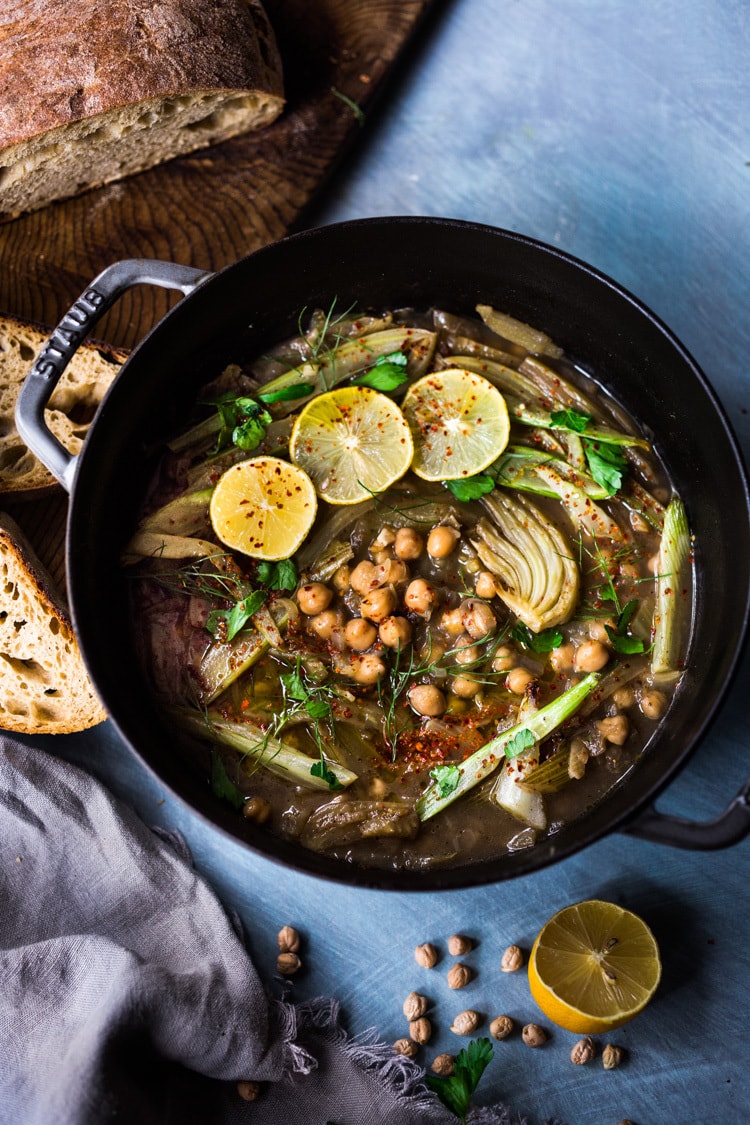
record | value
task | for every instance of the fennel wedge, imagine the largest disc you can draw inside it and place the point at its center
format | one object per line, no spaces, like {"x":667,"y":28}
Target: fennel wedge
{"x":671,"y":589}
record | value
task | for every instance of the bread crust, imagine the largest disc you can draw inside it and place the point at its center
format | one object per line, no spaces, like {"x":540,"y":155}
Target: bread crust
{"x":44,"y":685}
{"x":82,"y":58}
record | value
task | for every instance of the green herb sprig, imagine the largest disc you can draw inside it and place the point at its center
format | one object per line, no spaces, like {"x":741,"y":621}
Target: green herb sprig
{"x":456,"y":1091}
{"x":386,"y":374}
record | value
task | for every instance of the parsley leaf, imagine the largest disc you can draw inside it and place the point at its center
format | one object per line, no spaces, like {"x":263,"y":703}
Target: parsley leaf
{"x":285,"y":394}
{"x":321,"y":769}
{"x":243,"y":422}
{"x":446,"y":778}
{"x":470,"y":488}
{"x":386,"y":374}
{"x":278,"y":575}
{"x":606,"y":464}
{"x":317,"y":708}
{"x":222,"y":784}
{"x":524,"y":740}
{"x":227,"y":623}
{"x":544,"y":641}
{"x":294,"y":685}
{"x":622,"y":641}
{"x":570,"y":420}
{"x":468,"y":1067}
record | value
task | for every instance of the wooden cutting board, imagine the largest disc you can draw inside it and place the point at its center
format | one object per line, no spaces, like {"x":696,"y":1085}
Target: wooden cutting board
{"x":215,"y":206}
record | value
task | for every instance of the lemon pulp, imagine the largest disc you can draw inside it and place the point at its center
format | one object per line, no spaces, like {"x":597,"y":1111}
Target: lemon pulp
{"x":263,"y":507}
{"x":351,"y":442}
{"x":459,"y":422}
{"x":593,"y":967}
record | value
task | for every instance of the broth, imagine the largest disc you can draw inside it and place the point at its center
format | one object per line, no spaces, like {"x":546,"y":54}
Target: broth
{"x":445,"y":669}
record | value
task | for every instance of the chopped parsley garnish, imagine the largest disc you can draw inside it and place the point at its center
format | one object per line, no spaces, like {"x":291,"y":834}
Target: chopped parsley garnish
{"x":621,"y":640}
{"x":286,"y":394}
{"x":225,"y":624}
{"x":386,"y":374}
{"x":222,"y":784}
{"x":470,"y":488}
{"x":606,"y":465}
{"x":278,"y":575}
{"x":524,"y":740}
{"x":570,"y":420}
{"x":456,"y":1092}
{"x":544,"y":641}
{"x":322,"y":770}
{"x":315,"y":699}
{"x":446,"y":779}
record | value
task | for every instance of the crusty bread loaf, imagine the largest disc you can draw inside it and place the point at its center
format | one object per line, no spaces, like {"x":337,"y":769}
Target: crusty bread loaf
{"x":44,"y":686}
{"x":70,"y":410}
{"x":92,"y":91}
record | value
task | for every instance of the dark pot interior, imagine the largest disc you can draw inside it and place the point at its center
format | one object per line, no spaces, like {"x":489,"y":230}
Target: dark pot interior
{"x":418,"y":262}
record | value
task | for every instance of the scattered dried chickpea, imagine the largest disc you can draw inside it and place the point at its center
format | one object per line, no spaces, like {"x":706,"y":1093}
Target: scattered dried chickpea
{"x":484,"y":585}
{"x":478,"y":619}
{"x":583,"y":1051}
{"x":426,"y":699}
{"x":441,"y":541}
{"x":378,"y":604}
{"x":360,"y":634}
{"x":415,"y":1005}
{"x":395,"y":632}
{"x":466,"y":1022}
{"x":408,"y":544}
{"x":420,"y":597}
{"x":591,"y":656}
{"x":313,"y":598}
{"x":518,"y":679}
{"x":501,"y":1027}
{"x":614,"y":729}
{"x":367,"y":668}
{"x":406,"y":1047}
{"x":326,"y":624}
{"x":257,"y":809}
{"x":612,"y":1056}
{"x":442,"y":1065}
{"x":512,"y":959}
{"x":534,"y":1035}
{"x":426,"y":955}
{"x":464,"y":687}
{"x":459,"y":944}
{"x":363,"y":578}
{"x":288,"y":964}
{"x":420,"y":1030}
{"x":289,"y":940}
{"x":653,"y":704}
{"x":459,"y":976}
{"x":248,"y":1091}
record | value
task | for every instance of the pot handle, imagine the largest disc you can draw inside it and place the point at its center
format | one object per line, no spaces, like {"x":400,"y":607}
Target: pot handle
{"x":727,"y":829}
{"x":66,"y":339}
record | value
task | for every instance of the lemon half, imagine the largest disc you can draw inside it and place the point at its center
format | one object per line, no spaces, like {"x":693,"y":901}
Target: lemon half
{"x":264,"y":507}
{"x":351,"y":442}
{"x":593,"y":967}
{"x":459,"y":422}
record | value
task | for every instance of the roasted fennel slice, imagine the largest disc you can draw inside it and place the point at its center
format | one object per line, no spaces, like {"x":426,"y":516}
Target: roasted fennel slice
{"x":517,"y":332}
{"x":539,"y":579}
{"x":671,"y":593}
{"x":343,"y":821}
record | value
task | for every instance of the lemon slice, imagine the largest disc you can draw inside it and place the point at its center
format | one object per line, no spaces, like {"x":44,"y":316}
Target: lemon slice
{"x":263,"y":507}
{"x":459,"y":423}
{"x":593,"y":967}
{"x":352,"y":442}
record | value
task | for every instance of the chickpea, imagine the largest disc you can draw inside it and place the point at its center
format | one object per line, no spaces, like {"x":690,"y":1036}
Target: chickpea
{"x":327,"y":623}
{"x":614,"y":729}
{"x":591,"y":656}
{"x":420,"y":597}
{"x":562,"y":658}
{"x":598,"y":630}
{"x":518,"y":679}
{"x":478,"y":619}
{"x":395,"y":632}
{"x":464,"y":687}
{"x":629,"y":570}
{"x":386,"y":537}
{"x":441,"y":541}
{"x":367,"y":668}
{"x":380,"y":555}
{"x":392,"y":572}
{"x":623,"y":698}
{"x":313,"y":598}
{"x":466,"y":652}
{"x":378,"y":604}
{"x":653,"y":704}
{"x":363,"y":578}
{"x":341,"y":578}
{"x":452,"y":621}
{"x":408,"y":543}
{"x":257,"y":809}
{"x":359,"y":634}
{"x":426,"y":699}
{"x":484,"y":586}
{"x":505,"y":658}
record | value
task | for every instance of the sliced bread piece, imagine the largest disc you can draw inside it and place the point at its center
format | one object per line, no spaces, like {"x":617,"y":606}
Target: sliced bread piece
{"x":71,"y":408}
{"x":92,"y":91}
{"x":44,"y":685}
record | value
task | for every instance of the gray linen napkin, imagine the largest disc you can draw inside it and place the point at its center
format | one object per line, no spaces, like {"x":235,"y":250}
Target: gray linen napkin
{"x":127,"y":996}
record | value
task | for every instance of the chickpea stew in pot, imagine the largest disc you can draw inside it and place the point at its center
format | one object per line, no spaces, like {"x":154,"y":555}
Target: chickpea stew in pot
{"x":414,"y":589}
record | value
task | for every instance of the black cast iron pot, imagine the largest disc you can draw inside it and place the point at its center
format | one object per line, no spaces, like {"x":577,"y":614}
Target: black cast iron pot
{"x":381,"y":263}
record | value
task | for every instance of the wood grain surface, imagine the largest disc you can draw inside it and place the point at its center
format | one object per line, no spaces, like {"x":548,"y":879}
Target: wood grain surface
{"x":213,"y":207}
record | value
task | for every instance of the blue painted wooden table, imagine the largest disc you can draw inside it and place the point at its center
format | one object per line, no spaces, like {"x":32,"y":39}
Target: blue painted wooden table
{"x":618,"y":132}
